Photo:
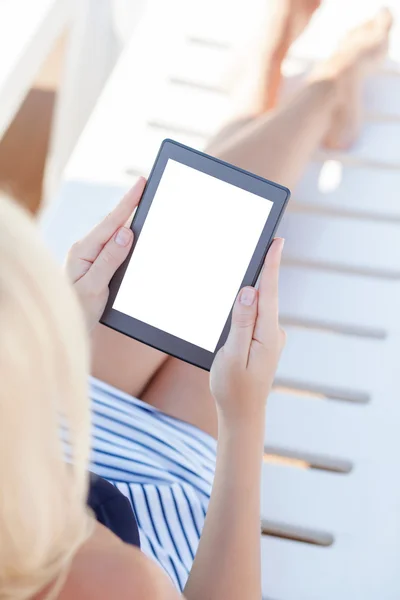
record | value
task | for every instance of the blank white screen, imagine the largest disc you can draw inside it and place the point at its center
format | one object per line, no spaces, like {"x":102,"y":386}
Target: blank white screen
{"x":191,"y":256}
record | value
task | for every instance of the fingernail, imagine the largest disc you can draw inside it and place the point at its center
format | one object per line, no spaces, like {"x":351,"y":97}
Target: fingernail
{"x":247,"y":296}
{"x":140,"y":182}
{"x":123,"y":236}
{"x":281,"y":242}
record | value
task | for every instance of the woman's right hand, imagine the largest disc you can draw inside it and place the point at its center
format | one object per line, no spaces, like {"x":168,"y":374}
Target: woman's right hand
{"x":243,"y":370}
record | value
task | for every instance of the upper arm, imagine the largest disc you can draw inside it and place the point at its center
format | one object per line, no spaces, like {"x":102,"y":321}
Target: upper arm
{"x":151,"y":581}
{"x":106,"y":568}
{"x":131,"y":575}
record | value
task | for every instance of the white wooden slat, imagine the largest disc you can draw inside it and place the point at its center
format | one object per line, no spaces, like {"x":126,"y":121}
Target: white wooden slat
{"x":224,"y":22}
{"x":331,"y":362}
{"x":343,"y":431}
{"x":332,"y":503}
{"x":190,"y":109}
{"x":306,"y":426}
{"x":203,"y":65}
{"x":27,"y":32}
{"x":377,"y":145}
{"x":381,"y":99}
{"x":343,"y":301}
{"x":364,"y":245}
{"x":200,"y":26}
{"x":295,"y":571}
{"x":149,"y":139}
{"x":334,"y":186}
{"x":312,"y":507}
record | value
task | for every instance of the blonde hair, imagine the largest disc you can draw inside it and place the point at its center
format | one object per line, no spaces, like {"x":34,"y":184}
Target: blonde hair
{"x":43,"y":380}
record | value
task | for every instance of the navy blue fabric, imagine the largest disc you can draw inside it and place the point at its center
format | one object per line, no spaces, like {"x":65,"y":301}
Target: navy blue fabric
{"x":113,"y":510}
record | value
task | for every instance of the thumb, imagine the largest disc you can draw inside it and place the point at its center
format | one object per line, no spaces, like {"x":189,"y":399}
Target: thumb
{"x":110,"y":258}
{"x":244,"y":316}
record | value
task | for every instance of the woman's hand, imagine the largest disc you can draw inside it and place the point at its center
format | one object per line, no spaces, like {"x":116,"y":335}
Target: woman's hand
{"x":244,"y":369}
{"x":92,"y":261}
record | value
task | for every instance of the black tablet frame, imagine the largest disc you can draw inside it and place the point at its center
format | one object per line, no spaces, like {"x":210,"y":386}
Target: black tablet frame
{"x":157,"y":338}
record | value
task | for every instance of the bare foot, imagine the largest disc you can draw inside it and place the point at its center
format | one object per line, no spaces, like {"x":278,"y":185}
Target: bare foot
{"x":289,"y":20}
{"x":260,"y":74}
{"x":359,"y":55}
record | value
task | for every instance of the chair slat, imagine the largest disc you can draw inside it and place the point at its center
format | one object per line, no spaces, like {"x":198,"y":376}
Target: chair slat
{"x":204,"y":65}
{"x":378,"y":145}
{"x":339,"y":365}
{"x":326,"y":504}
{"x":335,"y":242}
{"x":381,"y":96}
{"x":193,"y":110}
{"x":332,"y":186}
{"x":296,"y":571}
{"x":312,"y":428}
{"x":341,"y":301}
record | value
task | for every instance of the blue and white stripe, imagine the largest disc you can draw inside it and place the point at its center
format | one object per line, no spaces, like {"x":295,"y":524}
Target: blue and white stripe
{"x":164,"y":466}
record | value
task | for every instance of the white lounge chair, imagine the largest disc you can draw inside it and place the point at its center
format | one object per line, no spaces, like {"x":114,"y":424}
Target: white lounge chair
{"x":28,"y":31}
{"x":332,"y":516}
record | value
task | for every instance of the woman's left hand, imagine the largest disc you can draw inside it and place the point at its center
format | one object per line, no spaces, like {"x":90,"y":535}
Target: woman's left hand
{"x":92,"y":261}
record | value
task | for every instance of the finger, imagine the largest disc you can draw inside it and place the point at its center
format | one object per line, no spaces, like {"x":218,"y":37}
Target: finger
{"x":110,"y":258}
{"x":90,"y":246}
{"x":268,"y":305}
{"x":244,"y":316}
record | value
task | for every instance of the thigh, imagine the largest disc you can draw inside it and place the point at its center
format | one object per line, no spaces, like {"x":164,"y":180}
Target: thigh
{"x":123,"y":362}
{"x":183,"y":391}
{"x":228,"y":131}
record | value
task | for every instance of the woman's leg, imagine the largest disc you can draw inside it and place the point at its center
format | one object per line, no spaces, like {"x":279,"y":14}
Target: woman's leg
{"x":126,"y":363}
{"x":327,"y":109}
{"x":276,"y":146}
{"x":258,"y":78}
{"x":123,"y":362}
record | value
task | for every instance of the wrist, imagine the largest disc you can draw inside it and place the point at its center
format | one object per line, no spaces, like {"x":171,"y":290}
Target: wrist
{"x":251,"y":425}
{"x":240,"y":452}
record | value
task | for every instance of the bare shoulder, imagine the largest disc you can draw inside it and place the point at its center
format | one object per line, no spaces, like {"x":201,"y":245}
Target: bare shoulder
{"x":144,"y":576}
{"x":106,"y":569}
{"x":133,"y":575}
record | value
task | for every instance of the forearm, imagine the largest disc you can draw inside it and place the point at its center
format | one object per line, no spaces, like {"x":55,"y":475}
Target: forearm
{"x":227,"y":563}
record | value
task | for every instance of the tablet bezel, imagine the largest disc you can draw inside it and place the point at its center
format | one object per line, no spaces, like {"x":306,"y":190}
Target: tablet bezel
{"x":214,"y":167}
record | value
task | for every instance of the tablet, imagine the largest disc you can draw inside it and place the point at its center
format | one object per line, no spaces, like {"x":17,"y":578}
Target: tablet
{"x":201,"y":232}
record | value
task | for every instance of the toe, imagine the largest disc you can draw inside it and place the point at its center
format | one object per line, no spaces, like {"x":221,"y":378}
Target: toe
{"x":385,"y":18}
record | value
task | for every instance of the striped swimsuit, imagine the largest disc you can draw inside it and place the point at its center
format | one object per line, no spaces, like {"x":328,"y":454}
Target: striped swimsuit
{"x":165,"y":467}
